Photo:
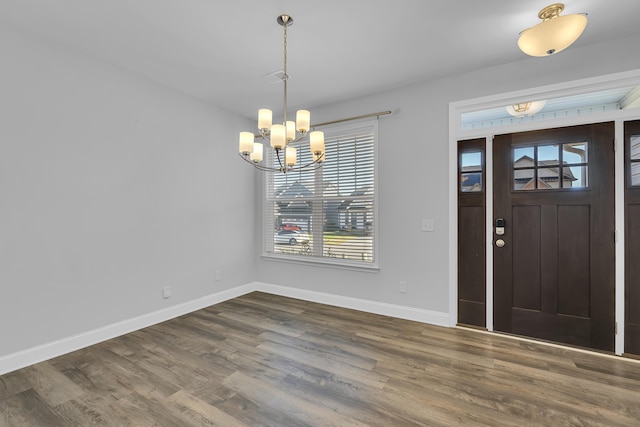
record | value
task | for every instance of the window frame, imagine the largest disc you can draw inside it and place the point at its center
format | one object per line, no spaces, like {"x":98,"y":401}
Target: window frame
{"x":630,"y":162}
{"x":268,"y":252}
{"x":537,"y":165}
{"x":481,"y":168}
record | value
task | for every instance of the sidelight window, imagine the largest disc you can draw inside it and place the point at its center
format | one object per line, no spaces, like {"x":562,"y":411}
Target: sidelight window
{"x":470,"y":170}
{"x":551,"y":166}
{"x":634,"y":160}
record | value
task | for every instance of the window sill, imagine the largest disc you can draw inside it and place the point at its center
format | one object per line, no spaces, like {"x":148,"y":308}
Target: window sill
{"x":305,"y":260}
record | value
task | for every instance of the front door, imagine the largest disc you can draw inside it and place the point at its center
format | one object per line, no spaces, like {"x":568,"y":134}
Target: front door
{"x":554,"y":265}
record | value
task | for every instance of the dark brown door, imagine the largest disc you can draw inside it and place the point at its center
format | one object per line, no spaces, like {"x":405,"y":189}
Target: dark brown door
{"x":632,"y":237}
{"x":554,"y":278}
{"x":471,"y":233}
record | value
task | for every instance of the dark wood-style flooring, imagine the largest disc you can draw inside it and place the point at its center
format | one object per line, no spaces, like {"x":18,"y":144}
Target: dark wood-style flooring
{"x":264,"y":360}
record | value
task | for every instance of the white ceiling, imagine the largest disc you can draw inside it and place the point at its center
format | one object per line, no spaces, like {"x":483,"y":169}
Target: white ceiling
{"x":338,"y":49}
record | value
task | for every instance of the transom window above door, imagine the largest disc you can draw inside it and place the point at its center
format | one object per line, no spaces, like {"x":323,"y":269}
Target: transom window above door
{"x":529,"y":110}
{"x":550,"y":166}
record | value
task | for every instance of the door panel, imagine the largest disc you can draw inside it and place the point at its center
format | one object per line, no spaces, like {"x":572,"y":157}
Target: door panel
{"x":554,"y":278}
{"x":573,"y":255}
{"x":549,"y":259}
{"x":632,"y":294}
{"x":632,"y":238}
{"x":526,"y":259}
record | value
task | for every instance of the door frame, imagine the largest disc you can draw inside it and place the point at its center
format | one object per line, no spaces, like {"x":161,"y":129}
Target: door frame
{"x":583,"y":86}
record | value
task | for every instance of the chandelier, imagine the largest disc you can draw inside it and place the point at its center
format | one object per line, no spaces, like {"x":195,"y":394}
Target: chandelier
{"x":554,"y":34}
{"x":281,"y":135}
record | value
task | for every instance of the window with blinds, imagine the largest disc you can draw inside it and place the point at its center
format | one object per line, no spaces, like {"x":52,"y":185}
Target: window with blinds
{"x":327,"y":214}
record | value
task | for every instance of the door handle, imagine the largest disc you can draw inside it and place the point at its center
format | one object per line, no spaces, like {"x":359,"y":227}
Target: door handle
{"x":500,"y":243}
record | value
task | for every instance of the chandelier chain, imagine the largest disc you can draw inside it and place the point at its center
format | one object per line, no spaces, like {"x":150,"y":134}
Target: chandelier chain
{"x":285,"y":76}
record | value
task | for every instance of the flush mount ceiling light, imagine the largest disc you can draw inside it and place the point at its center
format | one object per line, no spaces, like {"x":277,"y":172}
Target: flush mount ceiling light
{"x":281,"y":135}
{"x":522,"y":109}
{"x":554,"y":34}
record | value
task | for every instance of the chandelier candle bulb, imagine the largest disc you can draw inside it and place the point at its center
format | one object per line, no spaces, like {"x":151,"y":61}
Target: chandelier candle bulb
{"x":290,"y":157}
{"x":256,"y":155}
{"x":291,"y":130}
{"x":264,"y":119}
{"x":316,"y":142}
{"x":303,"y":120}
{"x":278,"y":136}
{"x":246,"y":142}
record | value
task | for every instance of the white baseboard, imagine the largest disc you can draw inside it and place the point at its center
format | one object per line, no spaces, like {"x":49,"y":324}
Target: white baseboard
{"x":392,"y":310}
{"x":30,"y":356}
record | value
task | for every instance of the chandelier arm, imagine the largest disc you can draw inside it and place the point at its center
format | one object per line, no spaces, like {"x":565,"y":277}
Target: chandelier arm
{"x":317,"y":161}
{"x":268,"y":169}
{"x":260,"y":167}
{"x":251,"y":162}
{"x":301,"y":168}
{"x":282,"y":168}
{"x":299,"y":138}
{"x":278,"y":156}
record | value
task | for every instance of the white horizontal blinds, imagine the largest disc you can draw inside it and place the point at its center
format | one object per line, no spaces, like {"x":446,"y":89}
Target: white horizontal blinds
{"x":282,"y":182}
{"x":334,"y":205}
{"x":349,"y":190}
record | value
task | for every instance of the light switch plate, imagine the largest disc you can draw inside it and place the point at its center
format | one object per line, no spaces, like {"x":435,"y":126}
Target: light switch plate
{"x":403,"y":286}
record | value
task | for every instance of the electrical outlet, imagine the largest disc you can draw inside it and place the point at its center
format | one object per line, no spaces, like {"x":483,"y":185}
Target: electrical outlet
{"x":166,"y":292}
{"x":427,"y":225}
{"x":218,"y":275}
{"x":403,"y":286}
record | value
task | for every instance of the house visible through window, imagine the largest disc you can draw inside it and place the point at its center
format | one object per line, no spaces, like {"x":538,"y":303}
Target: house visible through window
{"x":470,"y":171}
{"x":548,"y":167}
{"x":328,"y":213}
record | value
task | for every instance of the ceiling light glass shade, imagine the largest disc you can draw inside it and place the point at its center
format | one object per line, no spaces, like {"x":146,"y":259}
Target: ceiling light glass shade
{"x":554,"y":34}
{"x":316,"y":142}
{"x":525,"y":108}
{"x":257,"y":153}
{"x":246,"y":142}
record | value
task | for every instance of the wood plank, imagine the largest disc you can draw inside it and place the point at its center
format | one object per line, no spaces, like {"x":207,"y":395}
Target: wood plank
{"x":195,"y":411}
{"x":54,"y":387}
{"x":300,"y":409}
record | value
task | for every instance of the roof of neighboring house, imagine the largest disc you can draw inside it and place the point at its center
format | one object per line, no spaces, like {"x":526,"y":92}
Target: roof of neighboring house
{"x":298,"y":189}
{"x":547,"y":170}
{"x":471,"y":179}
{"x":353,"y":205}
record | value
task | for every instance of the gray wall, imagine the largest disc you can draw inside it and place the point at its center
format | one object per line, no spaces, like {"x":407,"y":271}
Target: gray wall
{"x":111,"y":187}
{"x":419,"y":124}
